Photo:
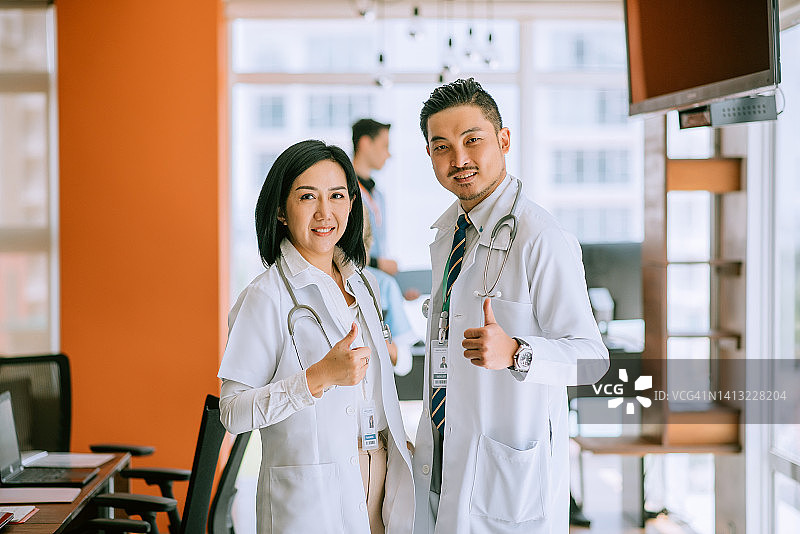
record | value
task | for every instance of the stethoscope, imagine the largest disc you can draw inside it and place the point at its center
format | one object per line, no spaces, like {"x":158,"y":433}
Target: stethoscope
{"x":510,"y":220}
{"x":387,"y":333}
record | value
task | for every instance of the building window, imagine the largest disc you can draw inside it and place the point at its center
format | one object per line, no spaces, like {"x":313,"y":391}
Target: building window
{"x":27,"y":210}
{"x":271,"y":112}
{"x":596,"y":225}
{"x":591,"y":166}
{"x":337,"y":110}
{"x":586,"y":153}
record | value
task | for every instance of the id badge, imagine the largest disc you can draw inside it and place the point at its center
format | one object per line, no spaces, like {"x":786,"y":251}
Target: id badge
{"x":439,"y":364}
{"x":369,"y":434}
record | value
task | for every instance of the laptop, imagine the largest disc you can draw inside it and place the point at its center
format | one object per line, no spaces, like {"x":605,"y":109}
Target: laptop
{"x":13,"y":473}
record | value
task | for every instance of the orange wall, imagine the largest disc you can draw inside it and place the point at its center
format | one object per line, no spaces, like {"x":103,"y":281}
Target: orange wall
{"x":141,"y":101}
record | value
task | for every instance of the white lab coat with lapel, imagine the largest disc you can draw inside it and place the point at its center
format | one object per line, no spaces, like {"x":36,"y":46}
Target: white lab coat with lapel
{"x":505,"y":466}
{"x":310,"y":478}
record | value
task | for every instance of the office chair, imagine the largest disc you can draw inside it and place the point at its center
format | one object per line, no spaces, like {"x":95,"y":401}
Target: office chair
{"x":40,"y":393}
{"x":219,"y":515}
{"x":220,"y":521}
{"x":198,"y":496}
{"x":41,"y":385}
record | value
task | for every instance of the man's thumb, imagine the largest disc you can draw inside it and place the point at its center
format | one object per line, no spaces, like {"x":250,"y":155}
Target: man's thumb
{"x":488,"y":314}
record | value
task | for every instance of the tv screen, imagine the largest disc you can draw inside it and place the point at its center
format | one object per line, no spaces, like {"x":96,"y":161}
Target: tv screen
{"x":683,"y":53}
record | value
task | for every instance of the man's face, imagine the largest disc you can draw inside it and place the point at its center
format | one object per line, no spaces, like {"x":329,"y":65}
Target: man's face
{"x":468,"y":157}
{"x":376,"y":150}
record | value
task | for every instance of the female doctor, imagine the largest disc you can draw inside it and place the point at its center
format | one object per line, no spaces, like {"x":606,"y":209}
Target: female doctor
{"x":306,"y":362}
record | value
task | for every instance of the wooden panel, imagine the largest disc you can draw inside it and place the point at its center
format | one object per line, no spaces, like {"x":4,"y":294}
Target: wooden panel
{"x":654,"y":247}
{"x":679,"y":434}
{"x":654,"y":292}
{"x":718,"y":175}
{"x":639,"y":446}
{"x":142,"y":300}
{"x":703,"y":425}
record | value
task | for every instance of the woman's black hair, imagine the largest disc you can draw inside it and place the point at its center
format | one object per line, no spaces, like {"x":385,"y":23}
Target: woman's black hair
{"x":293,"y":162}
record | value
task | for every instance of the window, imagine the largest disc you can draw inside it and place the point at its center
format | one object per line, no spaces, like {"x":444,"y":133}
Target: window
{"x":596,"y":225}
{"x":586,"y":163}
{"x":582,"y":106}
{"x":560,"y":84}
{"x":271,"y":112}
{"x":27,"y":208}
{"x":787,"y":504}
{"x":281,"y":98}
{"x":784,"y":455}
{"x":591,"y":166}
{"x":570,"y":45}
{"x":354,"y":45}
{"x":337,"y":110}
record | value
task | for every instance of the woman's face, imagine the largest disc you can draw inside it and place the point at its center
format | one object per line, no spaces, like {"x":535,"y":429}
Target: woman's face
{"x":316,"y":214}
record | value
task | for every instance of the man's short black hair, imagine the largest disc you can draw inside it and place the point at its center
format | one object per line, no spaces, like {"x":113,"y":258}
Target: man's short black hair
{"x":369,"y":127}
{"x":293,"y":162}
{"x":460,"y":93}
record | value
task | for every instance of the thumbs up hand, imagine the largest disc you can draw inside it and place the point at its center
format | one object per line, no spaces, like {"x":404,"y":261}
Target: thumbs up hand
{"x":489,"y":346}
{"x":341,"y":366}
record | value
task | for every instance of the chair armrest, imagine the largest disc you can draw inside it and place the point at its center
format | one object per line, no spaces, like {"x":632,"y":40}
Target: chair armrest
{"x":134,"y":450}
{"x":115,"y":525}
{"x":134,"y":503}
{"x":163,"y":477}
{"x":156,"y":475}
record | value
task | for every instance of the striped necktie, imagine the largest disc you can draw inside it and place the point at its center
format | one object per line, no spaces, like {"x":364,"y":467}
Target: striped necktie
{"x":454,"y":266}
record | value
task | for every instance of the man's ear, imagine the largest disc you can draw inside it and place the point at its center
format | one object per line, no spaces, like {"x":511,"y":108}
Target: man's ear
{"x":428,"y":149}
{"x":363,"y":139}
{"x":504,"y":139}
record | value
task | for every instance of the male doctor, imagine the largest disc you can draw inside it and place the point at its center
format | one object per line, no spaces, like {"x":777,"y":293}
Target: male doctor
{"x":492,"y":443}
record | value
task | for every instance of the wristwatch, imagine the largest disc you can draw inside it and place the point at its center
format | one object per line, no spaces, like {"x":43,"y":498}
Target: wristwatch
{"x":523,"y":357}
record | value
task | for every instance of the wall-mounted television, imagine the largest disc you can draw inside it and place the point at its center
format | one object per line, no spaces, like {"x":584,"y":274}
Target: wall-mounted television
{"x":683,"y":53}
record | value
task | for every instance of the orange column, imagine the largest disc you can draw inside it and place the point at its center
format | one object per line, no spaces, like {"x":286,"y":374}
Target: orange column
{"x":141,"y":99}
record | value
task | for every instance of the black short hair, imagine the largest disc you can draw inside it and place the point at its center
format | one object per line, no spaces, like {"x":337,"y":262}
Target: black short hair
{"x":369,"y":127}
{"x":459,"y":93}
{"x":293,"y":162}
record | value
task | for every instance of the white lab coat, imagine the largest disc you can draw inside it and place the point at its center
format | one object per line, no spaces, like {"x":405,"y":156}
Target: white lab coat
{"x":310,"y":478}
{"x":505,"y":451}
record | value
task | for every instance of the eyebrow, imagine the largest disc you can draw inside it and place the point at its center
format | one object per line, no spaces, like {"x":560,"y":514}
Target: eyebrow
{"x":312,"y":188}
{"x":465,"y":132}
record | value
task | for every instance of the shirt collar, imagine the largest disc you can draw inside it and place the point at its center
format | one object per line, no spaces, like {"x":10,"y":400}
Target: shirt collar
{"x":296,"y":263}
{"x":368,"y":183}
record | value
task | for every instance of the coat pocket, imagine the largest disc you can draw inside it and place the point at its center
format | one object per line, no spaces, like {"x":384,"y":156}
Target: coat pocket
{"x":306,"y":498}
{"x":510,"y":485}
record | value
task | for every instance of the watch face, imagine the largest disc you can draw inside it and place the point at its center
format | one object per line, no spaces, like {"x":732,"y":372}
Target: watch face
{"x":524,"y":360}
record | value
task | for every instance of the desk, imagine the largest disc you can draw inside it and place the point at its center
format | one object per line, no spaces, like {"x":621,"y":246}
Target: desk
{"x":54,"y":518}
